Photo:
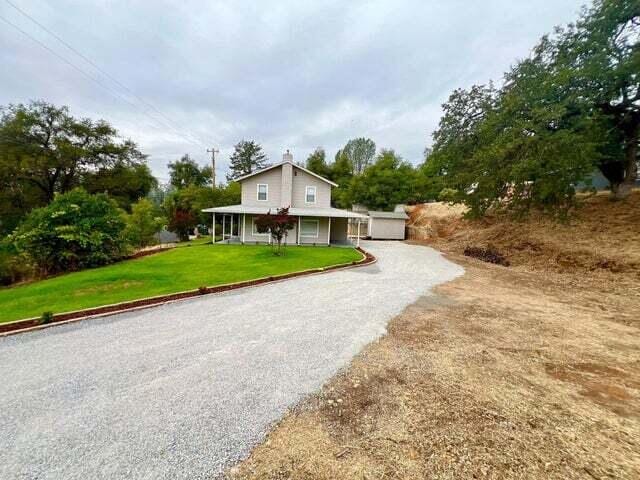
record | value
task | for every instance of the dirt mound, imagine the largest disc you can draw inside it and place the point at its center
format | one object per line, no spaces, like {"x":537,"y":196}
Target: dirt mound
{"x":602,"y":236}
{"x":433,"y":220}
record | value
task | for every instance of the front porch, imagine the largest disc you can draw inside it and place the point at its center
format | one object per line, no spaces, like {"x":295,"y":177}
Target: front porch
{"x":239,"y":228}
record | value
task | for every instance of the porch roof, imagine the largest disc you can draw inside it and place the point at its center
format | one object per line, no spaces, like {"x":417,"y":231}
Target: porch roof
{"x":302,"y":212}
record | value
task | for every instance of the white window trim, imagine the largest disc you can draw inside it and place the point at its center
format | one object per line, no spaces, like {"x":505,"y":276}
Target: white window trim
{"x":306,"y":195}
{"x":317,"y":222}
{"x":258,"y":192}
{"x":254,"y":230}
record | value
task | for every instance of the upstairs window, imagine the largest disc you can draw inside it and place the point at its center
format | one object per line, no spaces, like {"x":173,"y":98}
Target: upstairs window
{"x":310,"y":195}
{"x":263,"y":192}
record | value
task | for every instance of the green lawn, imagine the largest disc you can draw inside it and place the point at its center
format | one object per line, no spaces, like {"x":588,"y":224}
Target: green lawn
{"x":183,"y":268}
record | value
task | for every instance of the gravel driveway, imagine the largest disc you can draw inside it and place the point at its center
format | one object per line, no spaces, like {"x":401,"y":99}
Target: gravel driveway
{"x":186,"y":389}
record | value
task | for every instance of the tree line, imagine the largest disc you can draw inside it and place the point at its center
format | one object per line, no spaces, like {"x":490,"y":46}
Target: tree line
{"x":570,"y":109}
{"x":378,"y":181}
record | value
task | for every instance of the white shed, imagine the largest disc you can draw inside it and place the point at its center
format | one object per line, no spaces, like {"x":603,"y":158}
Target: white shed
{"x":387,"y":225}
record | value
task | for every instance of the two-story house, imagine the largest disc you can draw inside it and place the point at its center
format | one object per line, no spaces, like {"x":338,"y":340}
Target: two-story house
{"x":285,"y":184}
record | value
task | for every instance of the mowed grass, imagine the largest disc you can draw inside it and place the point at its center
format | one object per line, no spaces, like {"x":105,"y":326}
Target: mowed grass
{"x":179,"y":269}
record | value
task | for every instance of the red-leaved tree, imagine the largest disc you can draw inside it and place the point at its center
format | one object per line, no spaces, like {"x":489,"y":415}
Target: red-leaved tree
{"x":181,"y":222}
{"x":277,"y":225}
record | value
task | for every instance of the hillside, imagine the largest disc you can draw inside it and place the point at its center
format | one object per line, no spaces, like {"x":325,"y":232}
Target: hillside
{"x":602,"y":236}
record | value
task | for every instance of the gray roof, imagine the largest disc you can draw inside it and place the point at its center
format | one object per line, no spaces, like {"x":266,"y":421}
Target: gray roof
{"x":397,"y":215}
{"x":303,"y":212}
{"x":266,"y":169}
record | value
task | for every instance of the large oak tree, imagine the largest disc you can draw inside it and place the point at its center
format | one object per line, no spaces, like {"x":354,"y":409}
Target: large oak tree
{"x":571,"y":107}
{"x":45,"y":150}
{"x":45,"y":146}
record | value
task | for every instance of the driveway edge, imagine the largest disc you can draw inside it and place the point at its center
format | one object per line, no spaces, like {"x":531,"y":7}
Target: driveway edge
{"x":32,"y":324}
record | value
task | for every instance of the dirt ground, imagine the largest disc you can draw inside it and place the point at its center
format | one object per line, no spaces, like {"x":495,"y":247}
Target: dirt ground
{"x":528,"y":371}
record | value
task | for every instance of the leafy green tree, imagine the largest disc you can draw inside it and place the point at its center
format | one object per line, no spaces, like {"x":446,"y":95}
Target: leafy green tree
{"x":143,"y":223}
{"x":76,"y":230}
{"x":45,"y":147}
{"x":317,"y":163}
{"x":14,"y":267}
{"x":360,"y":152}
{"x":193,"y":200}
{"x":124,"y":183}
{"x":247,"y":157}
{"x":428,"y":182}
{"x":16,"y":198}
{"x":536,"y":146}
{"x":428,"y":186}
{"x":519,"y":148}
{"x":228,"y":194}
{"x":384,"y":184}
{"x":597,"y":59}
{"x":465,"y":110}
{"x":186,"y":172}
{"x":341,"y":173}
{"x":44,"y":150}
{"x":569,"y":108}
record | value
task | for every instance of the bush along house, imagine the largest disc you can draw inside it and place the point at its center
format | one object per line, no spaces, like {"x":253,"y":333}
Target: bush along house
{"x":285,"y":184}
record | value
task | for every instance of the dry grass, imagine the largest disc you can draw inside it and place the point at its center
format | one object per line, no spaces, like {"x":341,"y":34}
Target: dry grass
{"x":531,"y":371}
{"x":602,"y":235}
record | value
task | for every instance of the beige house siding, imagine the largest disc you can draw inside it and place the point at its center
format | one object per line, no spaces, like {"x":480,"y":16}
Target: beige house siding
{"x":273,"y":178}
{"x":301,"y":180}
{"x":285,"y":177}
{"x":250,"y":238}
{"x":386,"y":228}
{"x":323,"y":232}
{"x":292,"y":237}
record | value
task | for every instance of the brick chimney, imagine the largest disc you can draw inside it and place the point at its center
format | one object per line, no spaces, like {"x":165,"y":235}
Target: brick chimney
{"x":287,"y":179}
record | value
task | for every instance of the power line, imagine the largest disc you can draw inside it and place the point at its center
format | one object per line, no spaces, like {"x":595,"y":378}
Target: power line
{"x":101,"y":70}
{"x":97,"y":81}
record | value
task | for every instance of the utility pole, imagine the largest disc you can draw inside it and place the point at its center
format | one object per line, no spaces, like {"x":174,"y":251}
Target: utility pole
{"x":213,"y":152}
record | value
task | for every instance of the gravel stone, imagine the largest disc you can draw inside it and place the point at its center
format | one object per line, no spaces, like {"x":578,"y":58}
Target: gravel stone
{"x":185,"y":390}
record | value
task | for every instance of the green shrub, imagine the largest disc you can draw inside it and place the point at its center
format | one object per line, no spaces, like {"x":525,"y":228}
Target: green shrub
{"x":13,"y":266}
{"x":143,"y":223}
{"x":76,"y":230}
{"x":447,"y":195}
{"x":46,"y":317}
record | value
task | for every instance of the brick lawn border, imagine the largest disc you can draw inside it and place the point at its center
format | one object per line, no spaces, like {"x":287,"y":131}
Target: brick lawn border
{"x":31,"y":324}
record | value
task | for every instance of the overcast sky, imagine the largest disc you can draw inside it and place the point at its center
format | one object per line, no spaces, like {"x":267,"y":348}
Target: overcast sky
{"x":288,"y":74}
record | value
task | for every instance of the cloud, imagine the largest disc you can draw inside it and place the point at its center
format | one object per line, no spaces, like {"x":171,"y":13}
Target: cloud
{"x":289,"y":74}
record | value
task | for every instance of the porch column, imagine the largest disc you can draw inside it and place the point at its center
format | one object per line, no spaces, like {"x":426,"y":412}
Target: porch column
{"x":224,"y":217}
{"x":298,"y":232}
{"x":231,"y":231}
{"x":213,"y":232}
{"x":358,"y":241}
{"x":244,"y":225}
{"x":329,"y":232}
